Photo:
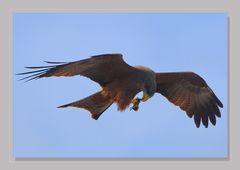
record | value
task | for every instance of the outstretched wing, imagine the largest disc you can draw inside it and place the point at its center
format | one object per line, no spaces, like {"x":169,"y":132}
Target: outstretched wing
{"x":100,"y":68}
{"x":192,"y":94}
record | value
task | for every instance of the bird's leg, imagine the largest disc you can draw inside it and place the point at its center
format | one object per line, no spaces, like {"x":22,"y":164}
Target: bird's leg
{"x":135,"y":103}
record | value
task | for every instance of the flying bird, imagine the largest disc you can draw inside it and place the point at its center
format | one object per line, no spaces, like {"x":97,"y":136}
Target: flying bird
{"x":121,"y":82}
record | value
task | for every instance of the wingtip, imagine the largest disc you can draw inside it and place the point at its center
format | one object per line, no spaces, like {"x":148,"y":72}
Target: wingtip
{"x":206,"y":125}
{"x":220,"y":104}
{"x":54,"y":62}
{"x":63,"y":106}
{"x":218,"y":115}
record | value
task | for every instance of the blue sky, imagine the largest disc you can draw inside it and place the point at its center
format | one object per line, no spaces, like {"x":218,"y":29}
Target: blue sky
{"x":165,"y":42}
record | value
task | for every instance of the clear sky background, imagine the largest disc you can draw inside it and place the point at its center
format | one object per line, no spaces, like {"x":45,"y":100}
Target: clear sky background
{"x":165,"y":42}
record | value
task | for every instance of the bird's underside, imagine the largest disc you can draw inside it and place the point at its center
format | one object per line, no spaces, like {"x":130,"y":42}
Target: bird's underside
{"x":121,"y":82}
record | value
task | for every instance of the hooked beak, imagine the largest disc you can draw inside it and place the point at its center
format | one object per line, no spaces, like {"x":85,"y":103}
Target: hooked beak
{"x":145,"y":97}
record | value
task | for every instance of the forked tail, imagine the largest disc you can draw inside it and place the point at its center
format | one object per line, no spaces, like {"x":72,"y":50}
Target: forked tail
{"x":96,"y":104}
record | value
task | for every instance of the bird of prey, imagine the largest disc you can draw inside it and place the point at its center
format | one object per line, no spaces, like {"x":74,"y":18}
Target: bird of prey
{"x":121,"y":82}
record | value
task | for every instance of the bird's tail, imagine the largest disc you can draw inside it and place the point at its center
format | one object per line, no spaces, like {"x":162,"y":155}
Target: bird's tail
{"x":96,"y":104}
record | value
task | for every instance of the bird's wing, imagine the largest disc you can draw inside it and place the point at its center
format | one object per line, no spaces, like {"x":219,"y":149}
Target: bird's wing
{"x":192,"y":94}
{"x":101,"y":68}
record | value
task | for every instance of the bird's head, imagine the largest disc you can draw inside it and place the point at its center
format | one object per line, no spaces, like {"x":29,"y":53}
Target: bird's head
{"x":150,"y":85}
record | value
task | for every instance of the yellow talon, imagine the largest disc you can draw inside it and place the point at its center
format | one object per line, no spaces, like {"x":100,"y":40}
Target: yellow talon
{"x":135,"y":107}
{"x":134,"y":101}
{"x":145,"y":97}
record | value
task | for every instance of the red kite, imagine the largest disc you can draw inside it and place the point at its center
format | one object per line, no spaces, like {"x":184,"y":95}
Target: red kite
{"x":121,"y":82}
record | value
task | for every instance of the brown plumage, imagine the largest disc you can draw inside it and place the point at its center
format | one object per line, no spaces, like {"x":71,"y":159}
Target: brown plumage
{"x":120,"y":82}
{"x":192,"y":94}
{"x":96,"y":104}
